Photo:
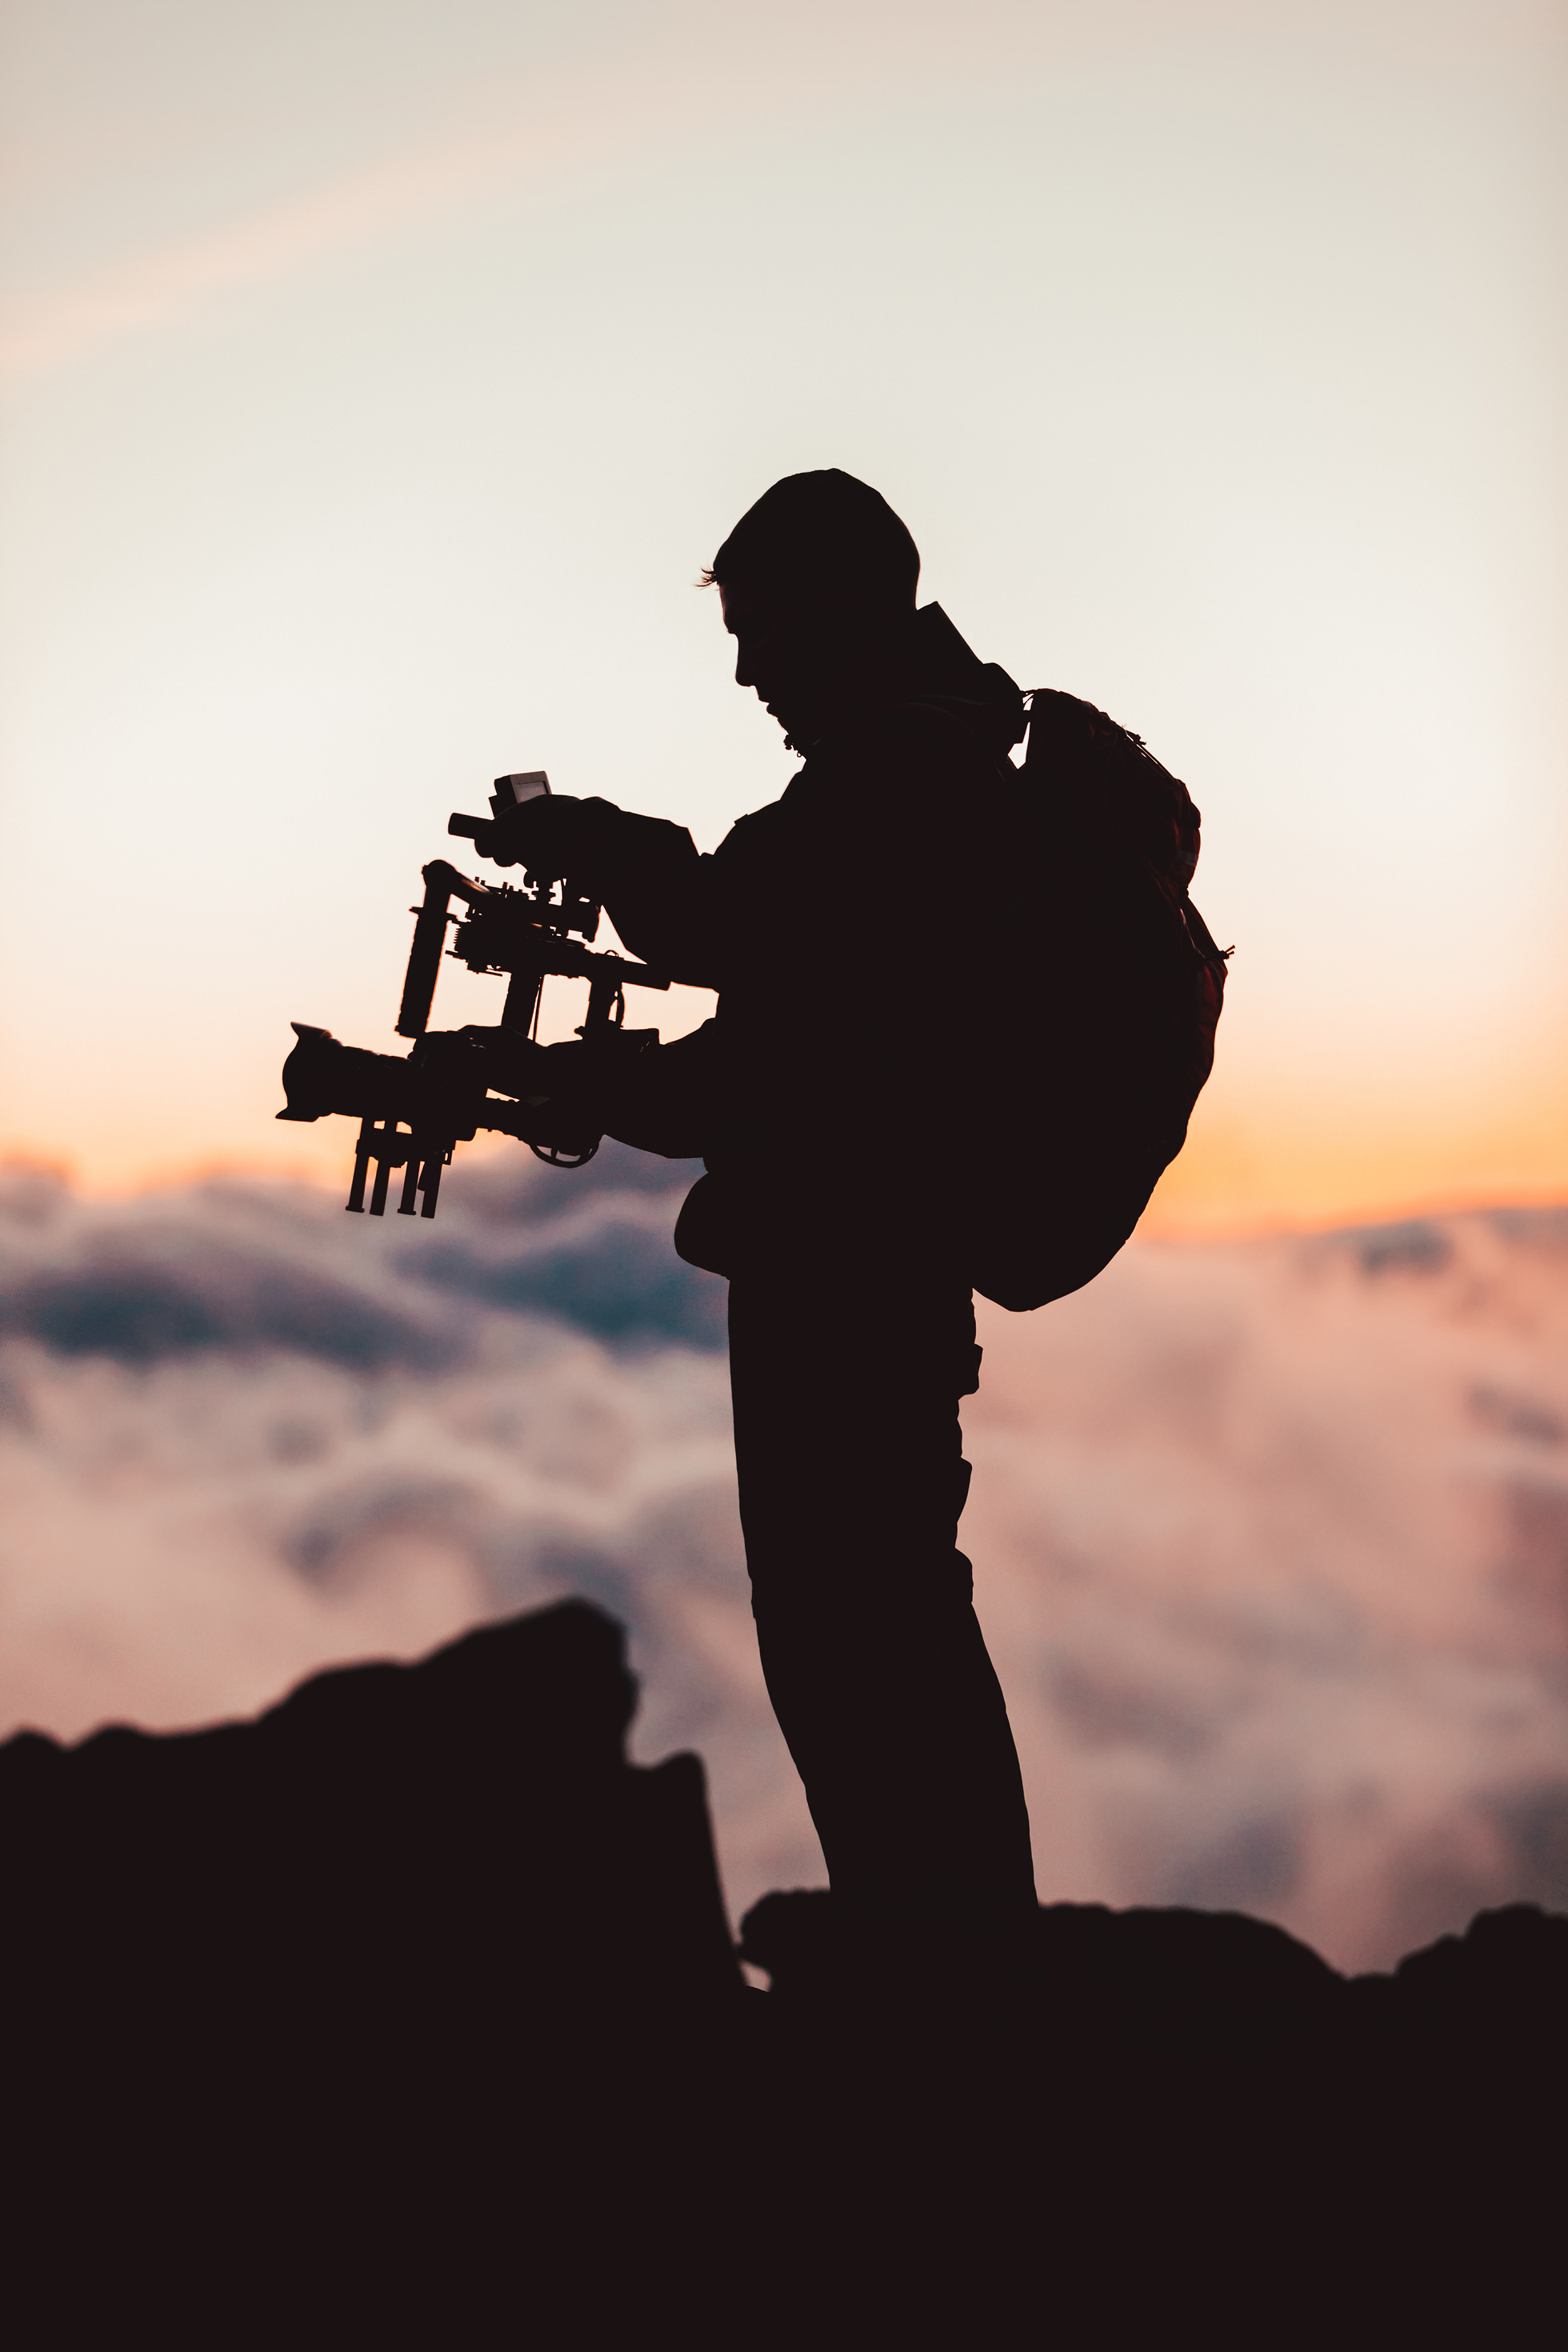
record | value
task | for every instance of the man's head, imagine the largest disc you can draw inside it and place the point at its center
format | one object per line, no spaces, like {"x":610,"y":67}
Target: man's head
{"x":817,"y":582}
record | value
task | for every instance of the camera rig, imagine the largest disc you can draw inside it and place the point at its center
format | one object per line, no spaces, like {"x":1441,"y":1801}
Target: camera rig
{"x":413,"y":1112}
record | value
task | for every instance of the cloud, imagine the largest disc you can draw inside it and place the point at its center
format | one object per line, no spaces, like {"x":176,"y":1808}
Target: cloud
{"x":243,"y":1435}
{"x":596,"y":1256}
{"x":1270,"y":1539}
{"x":484,"y":141}
{"x":150,"y":288}
{"x":126,"y":1302}
{"x":227,"y":1277}
{"x":506,"y":135}
{"x":700,"y":80}
{"x":1272,"y":1543}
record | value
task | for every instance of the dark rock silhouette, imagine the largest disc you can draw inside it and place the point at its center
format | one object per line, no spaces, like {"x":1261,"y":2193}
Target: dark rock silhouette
{"x":408,"y":2013}
{"x":1134,"y":1979}
{"x":307,"y":2007}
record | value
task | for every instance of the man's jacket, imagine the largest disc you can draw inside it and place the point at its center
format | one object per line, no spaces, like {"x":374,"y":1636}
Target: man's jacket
{"x":846,"y":929}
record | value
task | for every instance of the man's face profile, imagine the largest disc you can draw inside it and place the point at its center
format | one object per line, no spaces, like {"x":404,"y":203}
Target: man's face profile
{"x":760,"y":628}
{"x":787,"y":653}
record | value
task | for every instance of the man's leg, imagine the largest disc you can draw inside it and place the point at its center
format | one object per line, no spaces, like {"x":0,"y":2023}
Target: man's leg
{"x":852,"y":1479}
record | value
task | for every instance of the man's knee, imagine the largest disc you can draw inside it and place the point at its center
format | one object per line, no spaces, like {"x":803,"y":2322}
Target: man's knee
{"x":911,"y":1595}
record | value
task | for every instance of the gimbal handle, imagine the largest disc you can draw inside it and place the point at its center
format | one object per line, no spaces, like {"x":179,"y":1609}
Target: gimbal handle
{"x":443,"y":882}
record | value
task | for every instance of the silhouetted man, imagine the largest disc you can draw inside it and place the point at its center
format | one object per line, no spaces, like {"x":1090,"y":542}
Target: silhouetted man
{"x":827,"y":1103}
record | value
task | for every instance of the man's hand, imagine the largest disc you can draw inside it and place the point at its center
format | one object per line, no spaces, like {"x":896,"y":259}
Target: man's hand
{"x":588,"y":843}
{"x":547,"y":836}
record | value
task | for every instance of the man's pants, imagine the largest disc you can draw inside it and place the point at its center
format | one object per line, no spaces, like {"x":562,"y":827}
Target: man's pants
{"x":852,"y":1478}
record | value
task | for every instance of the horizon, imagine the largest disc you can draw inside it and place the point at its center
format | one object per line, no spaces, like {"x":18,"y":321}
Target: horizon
{"x":1161,"y":1224}
{"x":1164,"y":1222}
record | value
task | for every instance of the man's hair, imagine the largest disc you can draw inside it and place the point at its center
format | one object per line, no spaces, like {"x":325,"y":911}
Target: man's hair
{"x":823,"y":535}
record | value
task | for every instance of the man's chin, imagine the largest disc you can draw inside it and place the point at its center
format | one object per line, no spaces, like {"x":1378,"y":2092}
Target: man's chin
{"x":795,"y":718}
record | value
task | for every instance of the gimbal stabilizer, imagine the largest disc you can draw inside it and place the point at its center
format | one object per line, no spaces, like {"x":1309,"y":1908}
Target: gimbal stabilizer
{"x":412,"y":1112}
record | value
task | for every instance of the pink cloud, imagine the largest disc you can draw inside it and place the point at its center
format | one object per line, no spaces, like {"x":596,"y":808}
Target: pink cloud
{"x":1270,"y":1537}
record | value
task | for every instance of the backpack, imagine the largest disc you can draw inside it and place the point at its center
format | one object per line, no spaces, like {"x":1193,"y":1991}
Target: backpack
{"x":1109,"y":987}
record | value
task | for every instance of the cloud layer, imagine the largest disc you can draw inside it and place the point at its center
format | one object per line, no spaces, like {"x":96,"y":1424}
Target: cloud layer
{"x":1271,"y":1539}
{"x":1275,"y":1538}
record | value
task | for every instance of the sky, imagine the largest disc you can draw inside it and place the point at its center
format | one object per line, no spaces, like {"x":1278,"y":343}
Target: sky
{"x":376,"y":379}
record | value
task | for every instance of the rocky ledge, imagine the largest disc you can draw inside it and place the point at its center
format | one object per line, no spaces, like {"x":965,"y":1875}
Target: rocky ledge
{"x":410,"y":2013}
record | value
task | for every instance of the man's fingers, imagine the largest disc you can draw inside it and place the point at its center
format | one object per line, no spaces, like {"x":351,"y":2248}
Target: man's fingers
{"x":536,"y":835}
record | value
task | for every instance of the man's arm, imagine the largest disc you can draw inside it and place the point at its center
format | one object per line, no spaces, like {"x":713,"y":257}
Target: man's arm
{"x":670,"y":1099}
{"x":645,"y":871}
{"x":667,"y":1099}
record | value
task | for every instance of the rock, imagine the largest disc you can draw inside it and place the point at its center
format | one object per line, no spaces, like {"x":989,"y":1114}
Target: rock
{"x":407,"y":2013}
